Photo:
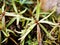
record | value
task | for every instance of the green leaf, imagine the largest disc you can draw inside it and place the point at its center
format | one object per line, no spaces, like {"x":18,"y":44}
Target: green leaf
{"x":23,"y":11}
{"x":22,"y":1}
{"x":28,"y":2}
{"x":4,"y":40}
{"x":14,"y":6}
{"x":48,"y":22}
{"x":8,"y":30}
{"x":49,"y":14}
{"x":47,"y":33}
{"x":18,"y":19}
{"x":11,"y":21}
{"x":6,"y":33}
{"x":27,"y":32}
{"x":38,"y":10}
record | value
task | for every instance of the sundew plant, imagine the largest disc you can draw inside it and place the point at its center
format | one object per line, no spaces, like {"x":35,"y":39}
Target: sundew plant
{"x":23,"y":22}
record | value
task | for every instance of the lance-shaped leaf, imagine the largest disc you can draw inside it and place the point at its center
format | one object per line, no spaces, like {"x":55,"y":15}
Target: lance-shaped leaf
{"x":27,"y":32}
{"x":39,"y":38}
{"x":6,"y":34}
{"x":48,"y":22}
{"x":14,"y":6}
{"x":25,"y":2}
{"x":49,"y":14}
{"x":4,"y":40}
{"x":47,"y":33}
{"x":23,"y":11}
{"x":8,"y":30}
{"x":11,"y":21}
{"x":38,"y":10}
